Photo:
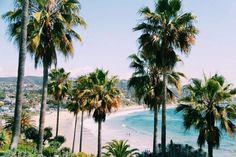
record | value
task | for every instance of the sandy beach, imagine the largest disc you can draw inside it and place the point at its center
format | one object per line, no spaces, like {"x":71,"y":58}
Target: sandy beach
{"x":66,"y":129}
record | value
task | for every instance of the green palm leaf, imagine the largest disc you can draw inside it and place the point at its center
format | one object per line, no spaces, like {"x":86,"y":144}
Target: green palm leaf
{"x":206,"y":104}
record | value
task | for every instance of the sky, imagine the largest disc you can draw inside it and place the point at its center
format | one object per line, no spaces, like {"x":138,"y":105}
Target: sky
{"x":108,"y":40}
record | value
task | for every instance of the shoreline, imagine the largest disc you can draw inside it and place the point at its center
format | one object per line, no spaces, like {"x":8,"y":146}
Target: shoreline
{"x":66,"y":128}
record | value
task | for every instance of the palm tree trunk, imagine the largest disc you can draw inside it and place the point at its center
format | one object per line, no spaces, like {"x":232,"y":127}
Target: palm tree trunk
{"x":211,"y":125}
{"x":163,"y":124}
{"x":20,"y":78}
{"x":43,"y":107}
{"x":99,"y":139}
{"x":210,"y":150}
{"x":75,"y":127}
{"x":155,"y":131}
{"x":58,"y":115}
{"x":81,"y":131}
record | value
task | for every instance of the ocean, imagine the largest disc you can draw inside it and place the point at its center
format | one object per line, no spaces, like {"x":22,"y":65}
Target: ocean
{"x":140,"y":124}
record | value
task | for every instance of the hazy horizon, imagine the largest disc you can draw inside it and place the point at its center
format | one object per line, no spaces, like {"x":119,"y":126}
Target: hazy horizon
{"x":109,"y":40}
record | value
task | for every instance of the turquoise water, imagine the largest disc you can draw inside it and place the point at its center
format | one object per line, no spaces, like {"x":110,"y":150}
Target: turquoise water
{"x":142,"y":123}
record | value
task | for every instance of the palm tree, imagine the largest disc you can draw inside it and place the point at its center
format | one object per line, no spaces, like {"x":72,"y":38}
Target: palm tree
{"x":165,"y":30}
{"x":119,"y":149}
{"x":207,"y":106}
{"x":54,"y":22}
{"x":26,"y":122}
{"x":21,"y":68}
{"x":81,"y":131}
{"x":50,"y":29}
{"x":147,"y":85}
{"x":82,"y":93}
{"x":58,"y":86}
{"x":74,"y":106}
{"x":79,"y":101}
{"x":105,"y":97}
{"x":144,"y":82}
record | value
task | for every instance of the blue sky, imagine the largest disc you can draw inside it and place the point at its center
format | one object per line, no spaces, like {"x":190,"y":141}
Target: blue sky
{"x":108,"y":39}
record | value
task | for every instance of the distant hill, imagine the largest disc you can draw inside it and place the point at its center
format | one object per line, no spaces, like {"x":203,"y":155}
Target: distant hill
{"x":39,"y":80}
{"x":122,"y":85}
{"x":36,"y":80}
{"x":27,"y":80}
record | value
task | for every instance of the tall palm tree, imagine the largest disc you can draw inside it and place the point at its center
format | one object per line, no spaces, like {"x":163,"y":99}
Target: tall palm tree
{"x":54,"y":22}
{"x":82,"y":94}
{"x":147,"y":85}
{"x":207,"y":106}
{"x":74,"y":106}
{"x":144,"y":81}
{"x":165,"y":30}
{"x":50,"y":29}
{"x":119,"y":149}
{"x":79,"y":100}
{"x":24,"y":5}
{"x":105,"y":98}
{"x":58,"y":86}
{"x":81,"y":130}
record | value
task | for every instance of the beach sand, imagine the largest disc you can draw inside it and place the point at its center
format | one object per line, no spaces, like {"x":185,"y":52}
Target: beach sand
{"x":66,"y":129}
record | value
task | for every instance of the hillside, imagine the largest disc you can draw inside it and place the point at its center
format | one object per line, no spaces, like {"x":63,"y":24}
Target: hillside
{"x":27,"y":80}
{"x":10,"y":82}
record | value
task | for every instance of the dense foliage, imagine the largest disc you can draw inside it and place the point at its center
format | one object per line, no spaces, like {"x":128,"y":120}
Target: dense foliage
{"x":208,"y":107}
{"x":4,"y":140}
{"x":119,"y":148}
{"x":175,"y":150}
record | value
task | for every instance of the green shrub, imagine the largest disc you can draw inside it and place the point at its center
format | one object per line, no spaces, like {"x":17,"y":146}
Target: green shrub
{"x":2,"y":153}
{"x":20,"y":153}
{"x":54,"y":144}
{"x":60,"y":139}
{"x":65,"y":152}
{"x":4,"y":140}
{"x":145,"y":153}
{"x":176,"y":150}
{"x":26,"y":146}
{"x":82,"y":154}
{"x":50,"y":151}
{"x":32,"y":134}
{"x":47,"y":134}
